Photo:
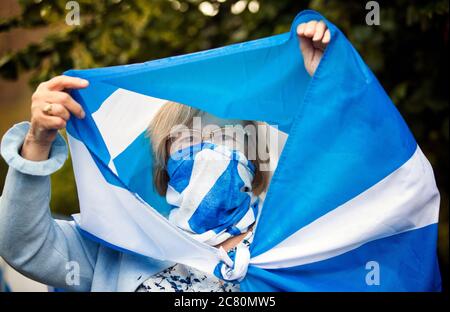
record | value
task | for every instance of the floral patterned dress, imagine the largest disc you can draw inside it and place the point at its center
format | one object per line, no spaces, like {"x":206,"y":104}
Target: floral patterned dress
{"x":182,"y":278}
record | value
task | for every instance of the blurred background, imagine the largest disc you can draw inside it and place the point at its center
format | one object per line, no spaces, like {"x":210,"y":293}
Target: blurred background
{"x":408,"y":52}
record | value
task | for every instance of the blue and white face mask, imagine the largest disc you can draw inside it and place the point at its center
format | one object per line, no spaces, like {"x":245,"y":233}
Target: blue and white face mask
{"x":210,"y":189}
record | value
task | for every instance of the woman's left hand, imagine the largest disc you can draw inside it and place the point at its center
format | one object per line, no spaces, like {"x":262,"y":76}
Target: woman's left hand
{"x":314,"y":37}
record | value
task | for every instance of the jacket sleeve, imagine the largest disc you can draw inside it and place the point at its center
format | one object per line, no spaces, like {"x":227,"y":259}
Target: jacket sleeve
{"x":50,"y":251}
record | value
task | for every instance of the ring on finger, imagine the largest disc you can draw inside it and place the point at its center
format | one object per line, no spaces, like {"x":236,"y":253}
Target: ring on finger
{"x":48,"y":109}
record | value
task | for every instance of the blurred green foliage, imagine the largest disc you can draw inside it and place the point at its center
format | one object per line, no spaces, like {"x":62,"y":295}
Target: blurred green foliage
{"x":408,"y":52}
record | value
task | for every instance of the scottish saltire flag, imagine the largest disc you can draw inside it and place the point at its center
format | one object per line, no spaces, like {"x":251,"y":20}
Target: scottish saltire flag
{"x":352,"y":204}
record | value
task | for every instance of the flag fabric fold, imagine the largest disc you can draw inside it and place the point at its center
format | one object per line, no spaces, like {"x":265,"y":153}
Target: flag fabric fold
{"x":352,"y":204}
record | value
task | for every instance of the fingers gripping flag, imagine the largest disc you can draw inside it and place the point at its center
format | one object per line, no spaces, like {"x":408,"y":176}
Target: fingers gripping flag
{"x":352,"y":193}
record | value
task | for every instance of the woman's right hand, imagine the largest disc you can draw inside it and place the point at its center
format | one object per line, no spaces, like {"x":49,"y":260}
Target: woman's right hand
{"x":51,"y":108}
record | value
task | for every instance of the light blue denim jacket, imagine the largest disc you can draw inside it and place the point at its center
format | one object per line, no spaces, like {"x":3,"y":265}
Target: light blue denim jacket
{"x":48,"y":250}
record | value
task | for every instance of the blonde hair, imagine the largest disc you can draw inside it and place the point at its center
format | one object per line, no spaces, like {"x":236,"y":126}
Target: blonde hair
{"x":173,"y":114}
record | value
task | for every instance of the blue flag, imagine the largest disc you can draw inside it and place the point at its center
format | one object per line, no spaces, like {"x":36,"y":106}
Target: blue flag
{"x":352,"y":204}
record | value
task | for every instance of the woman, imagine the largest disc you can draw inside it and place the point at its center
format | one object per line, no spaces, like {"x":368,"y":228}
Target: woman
{"x":53,"y":251}
{"x":208,"y":170}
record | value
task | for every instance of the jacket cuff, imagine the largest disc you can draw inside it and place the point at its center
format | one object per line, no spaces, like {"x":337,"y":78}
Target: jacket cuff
{"x":12,"y":142}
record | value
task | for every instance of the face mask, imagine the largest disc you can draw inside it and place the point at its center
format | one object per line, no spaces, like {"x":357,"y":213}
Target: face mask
{"x":211,"y":193}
